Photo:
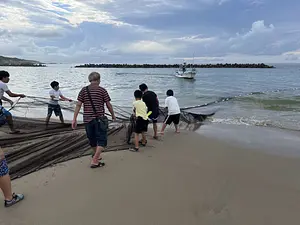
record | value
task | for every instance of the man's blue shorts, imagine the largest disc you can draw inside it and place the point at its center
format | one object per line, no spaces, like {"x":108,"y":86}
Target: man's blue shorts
{"x":3,"y":168}
{"x":4,"y":111}
{"x":3,"y":114}
{"x":96,"y":131}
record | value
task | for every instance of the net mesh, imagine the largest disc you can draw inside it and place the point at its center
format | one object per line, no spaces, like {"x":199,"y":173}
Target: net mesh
{"x":37,"y":147}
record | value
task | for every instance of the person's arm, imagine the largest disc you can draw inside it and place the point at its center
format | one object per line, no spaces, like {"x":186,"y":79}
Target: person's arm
{"x":80,"y":100}
{"x":76,"y":112}
{"x":134,"y":112}
{"x":7,"y":100}
{"x":111,"y":110}
{"x":133,"y":109}
{"x":166,"y":103}
{"x":13,"y":95}
{"x":65,"y":99}
{"x":107,"y":100}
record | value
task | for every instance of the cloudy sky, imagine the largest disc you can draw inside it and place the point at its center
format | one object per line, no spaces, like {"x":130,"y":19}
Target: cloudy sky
{"x":151,"y":31}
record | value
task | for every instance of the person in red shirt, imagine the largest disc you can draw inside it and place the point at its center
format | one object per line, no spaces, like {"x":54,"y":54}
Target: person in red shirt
{"x":93,"y":98}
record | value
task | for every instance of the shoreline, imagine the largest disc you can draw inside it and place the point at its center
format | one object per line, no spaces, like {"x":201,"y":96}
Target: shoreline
{"x":219,"y":65}
{"x":270,"y":140}
{"x":24,"y":65}
{"x":183,"y":179}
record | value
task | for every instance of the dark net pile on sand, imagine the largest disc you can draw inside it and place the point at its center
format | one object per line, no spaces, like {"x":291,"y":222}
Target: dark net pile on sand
{"x":37,"y":147}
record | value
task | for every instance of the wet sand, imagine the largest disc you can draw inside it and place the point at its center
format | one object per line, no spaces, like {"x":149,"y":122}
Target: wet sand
{"x":184,"y":179}
{"x":266,"y":139}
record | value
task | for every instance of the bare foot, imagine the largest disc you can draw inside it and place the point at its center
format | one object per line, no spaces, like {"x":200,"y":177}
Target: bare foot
{"x":177,"y":131}
{"x":161,"y":133}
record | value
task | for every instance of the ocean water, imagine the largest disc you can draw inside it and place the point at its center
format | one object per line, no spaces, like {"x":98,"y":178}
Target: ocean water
{"x":247,"y":97}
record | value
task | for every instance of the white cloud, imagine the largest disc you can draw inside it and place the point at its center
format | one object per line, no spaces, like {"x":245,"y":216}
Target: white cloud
{"x":66,"y":30}
{"x":297,"y":52}
{"x":148,"y":8}
{"x":292,"y":55}
{"x":202,"y":59}
{"x":148,"y":47}
{"x":21,"y":14}
{"x":196,"y":39}
{"x":257,"y":40}
{"x":258,"y":28}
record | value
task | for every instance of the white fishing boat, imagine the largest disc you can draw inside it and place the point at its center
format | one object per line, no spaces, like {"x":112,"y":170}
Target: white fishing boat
{"x":186,"y":73}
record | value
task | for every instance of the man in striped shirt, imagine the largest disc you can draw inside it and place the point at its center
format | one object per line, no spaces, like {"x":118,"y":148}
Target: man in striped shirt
{"x":93,"y":98}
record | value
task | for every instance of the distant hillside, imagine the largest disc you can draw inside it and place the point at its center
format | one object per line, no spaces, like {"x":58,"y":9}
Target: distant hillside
{"x":7,"y":61}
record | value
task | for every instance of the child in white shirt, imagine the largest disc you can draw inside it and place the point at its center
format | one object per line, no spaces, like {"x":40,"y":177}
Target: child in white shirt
{"x":53,"y":106}
{"x":173,"y":112}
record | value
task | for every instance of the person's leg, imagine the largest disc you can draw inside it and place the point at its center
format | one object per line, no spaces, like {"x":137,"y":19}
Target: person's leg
{"x":100,"y":134}
{"x":11,"y":125}
{"x":154,"y":117}
{"x":47,"y":120}
{"x":9,"y":198}
{"x":10,"y":122}
{"x":176,"y":128}
{"x":97,"y":156}
{"x":59,"y":113}
{"x":49,"y":114}
{"x":167,"y":121}
{"x":144,"y":140}
{"x":89,"y":128}
{"x":176,"y":122}
{"x":155,"y":129}
{"x":163,"y":128}
{"x":144,"y":131}
{"x":61,"y":117}
{"x":136,"y":140}
{"x":137,"y":131}
{"x":5,"y":184}
{"x":94,"y":151}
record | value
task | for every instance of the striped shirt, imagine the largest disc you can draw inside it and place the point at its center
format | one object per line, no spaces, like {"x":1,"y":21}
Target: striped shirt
{"x":99,"y":96}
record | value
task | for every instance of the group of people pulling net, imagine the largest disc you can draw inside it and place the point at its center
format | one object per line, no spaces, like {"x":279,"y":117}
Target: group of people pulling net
{"x":31,"y":144}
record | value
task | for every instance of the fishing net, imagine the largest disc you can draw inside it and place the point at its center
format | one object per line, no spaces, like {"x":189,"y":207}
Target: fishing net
{"x":37,"y":147}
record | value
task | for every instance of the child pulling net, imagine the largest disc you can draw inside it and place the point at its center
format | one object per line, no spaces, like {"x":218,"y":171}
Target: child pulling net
{"x":37,"y":147}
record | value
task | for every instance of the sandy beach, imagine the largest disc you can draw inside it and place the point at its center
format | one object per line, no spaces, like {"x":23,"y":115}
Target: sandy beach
{"x":182,"y":179}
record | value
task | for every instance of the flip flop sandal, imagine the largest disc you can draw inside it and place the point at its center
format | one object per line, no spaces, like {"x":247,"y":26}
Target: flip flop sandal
{"x":100,"y":164}
{"x":16,"y":198}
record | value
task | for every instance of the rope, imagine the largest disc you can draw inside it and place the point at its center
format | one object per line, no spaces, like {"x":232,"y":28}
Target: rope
{"x":122,"y":115}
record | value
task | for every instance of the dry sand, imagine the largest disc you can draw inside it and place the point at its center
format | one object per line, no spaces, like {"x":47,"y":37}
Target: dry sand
{"x":185,"y":179}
